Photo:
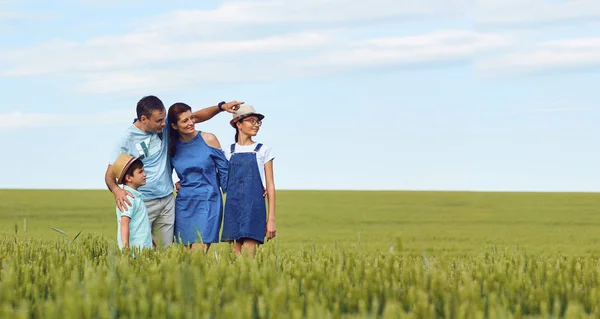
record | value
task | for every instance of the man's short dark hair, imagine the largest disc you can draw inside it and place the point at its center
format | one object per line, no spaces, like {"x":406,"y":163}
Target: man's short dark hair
{"x":147,"y":105}
{"x":135,"y":165}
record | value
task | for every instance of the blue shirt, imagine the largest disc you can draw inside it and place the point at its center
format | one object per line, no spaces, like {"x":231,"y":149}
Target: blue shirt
{"x":140,"y":232}
{"x":154,"y":149}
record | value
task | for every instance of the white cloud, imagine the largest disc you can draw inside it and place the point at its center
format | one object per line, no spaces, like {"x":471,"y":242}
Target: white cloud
{"x":185,"y":48}
{"x":169,"y":79}
{"x":139,"y":50}
{"x":499,"y":12}
{"x":564,"y":110}
{"x":554,"y":107}
{"x":18,"y":120}
{"x":507,"y":12}
{"x":549,"y":55}
{"x":8,"y":15}
{"x":330,"y":11}
{"x":436,"y":46}
{"x":155,"y":59}
{"x":182,"y":35}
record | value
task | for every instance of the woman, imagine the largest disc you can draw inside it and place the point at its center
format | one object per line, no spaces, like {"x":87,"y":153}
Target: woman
{"x":250,"y":173}
{"x":201,"y":166}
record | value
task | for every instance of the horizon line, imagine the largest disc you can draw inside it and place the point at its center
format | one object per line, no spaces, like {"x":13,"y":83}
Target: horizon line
{"x":351,"y":190}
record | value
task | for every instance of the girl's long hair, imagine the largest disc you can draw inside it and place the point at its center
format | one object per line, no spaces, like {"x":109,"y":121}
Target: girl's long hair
{"x":237,"y":129}
{"x":173,"y":116}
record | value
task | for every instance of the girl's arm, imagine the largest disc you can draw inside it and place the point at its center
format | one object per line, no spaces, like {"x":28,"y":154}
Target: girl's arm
{"x":271,"y":199}
{"x":125,"y":231}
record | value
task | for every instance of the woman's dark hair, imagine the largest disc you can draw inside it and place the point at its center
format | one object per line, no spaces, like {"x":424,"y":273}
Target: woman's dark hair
{"x":173,"y":116}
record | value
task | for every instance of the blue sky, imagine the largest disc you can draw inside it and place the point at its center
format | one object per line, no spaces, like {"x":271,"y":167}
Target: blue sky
{"x":399,"y":95}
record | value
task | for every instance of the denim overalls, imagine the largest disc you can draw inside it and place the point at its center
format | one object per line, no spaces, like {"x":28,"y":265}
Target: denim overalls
{"x":245,"y":208}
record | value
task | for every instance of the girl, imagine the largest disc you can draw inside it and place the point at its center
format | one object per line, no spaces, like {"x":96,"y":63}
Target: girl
{"x":250,"y":173}
{"x":201,"y":167}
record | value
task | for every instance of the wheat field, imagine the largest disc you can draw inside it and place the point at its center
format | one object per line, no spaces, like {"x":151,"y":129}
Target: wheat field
{"x":337,"y":255}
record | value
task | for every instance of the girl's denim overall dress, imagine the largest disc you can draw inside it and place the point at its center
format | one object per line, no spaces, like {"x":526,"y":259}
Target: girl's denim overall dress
{"x":245,"y":208}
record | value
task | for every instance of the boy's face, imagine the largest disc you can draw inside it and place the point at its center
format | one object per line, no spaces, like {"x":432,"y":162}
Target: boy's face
{"x":139,"y":177}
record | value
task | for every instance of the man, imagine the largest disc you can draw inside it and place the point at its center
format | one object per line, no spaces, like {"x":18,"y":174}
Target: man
{"x":148,"y":138}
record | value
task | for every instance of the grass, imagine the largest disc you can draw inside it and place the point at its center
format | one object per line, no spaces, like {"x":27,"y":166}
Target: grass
{"x":337,"y":255}
{"x":456,"y":223}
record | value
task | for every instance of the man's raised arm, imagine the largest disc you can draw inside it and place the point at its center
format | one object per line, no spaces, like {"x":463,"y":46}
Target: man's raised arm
{"x":208,"y":113}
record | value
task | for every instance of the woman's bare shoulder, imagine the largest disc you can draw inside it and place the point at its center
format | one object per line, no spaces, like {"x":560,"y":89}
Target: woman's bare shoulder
{"x":211,"y":139}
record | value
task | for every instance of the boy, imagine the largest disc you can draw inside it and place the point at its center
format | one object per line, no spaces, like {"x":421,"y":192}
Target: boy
{"x":133,"y":225}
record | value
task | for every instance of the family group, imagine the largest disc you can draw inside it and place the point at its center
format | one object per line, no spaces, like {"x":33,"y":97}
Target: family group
{"x":152,"y":211}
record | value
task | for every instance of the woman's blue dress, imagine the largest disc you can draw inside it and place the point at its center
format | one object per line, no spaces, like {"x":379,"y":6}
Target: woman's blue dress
{"x":202,"y":172}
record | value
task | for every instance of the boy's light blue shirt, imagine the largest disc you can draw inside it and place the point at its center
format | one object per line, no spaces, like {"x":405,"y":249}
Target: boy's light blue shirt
{"x":140,"y":232}
{"x":154,"y":149}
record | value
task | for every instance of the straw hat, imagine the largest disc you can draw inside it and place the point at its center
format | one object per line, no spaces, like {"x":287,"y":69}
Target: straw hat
{"x":121,"y":165}
{"x":243,"y":112}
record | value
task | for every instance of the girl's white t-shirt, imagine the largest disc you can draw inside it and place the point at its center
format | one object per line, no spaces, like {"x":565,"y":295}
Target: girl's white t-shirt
{"x":264,"y":155}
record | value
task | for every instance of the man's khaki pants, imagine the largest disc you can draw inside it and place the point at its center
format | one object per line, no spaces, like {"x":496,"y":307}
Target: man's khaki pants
{"x":161,"y":212}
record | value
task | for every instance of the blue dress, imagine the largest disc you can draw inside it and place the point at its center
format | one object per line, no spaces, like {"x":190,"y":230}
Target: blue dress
{"x":245,"y":208}
{"x":202,"y":172}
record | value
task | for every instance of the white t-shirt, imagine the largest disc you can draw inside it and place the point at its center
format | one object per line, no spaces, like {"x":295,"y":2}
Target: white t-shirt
{"x":264,"y":155}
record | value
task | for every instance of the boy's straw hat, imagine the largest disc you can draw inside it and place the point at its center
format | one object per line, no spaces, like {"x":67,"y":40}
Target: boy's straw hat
{"x":121,"y":165}
{"x":243,"y":112}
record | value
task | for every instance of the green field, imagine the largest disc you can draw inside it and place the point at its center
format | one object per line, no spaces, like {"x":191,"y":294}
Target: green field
{"x":432,"y":222}
{"x":337,"y":255}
